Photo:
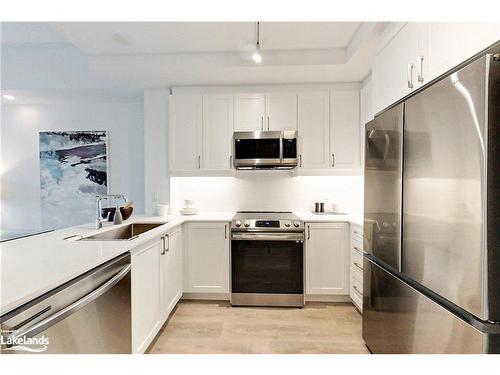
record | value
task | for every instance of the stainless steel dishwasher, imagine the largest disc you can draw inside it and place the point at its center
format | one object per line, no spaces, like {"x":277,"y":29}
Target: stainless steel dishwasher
{"x":89,"y":314}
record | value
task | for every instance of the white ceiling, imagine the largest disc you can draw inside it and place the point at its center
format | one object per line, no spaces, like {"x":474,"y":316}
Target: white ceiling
{"x":165,"y":54}
{"x":112,"y":38}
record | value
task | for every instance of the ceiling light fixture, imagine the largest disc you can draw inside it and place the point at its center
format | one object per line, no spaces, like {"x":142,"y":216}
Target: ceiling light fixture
{"x":8,"y":97}
{"x":257,"y":55}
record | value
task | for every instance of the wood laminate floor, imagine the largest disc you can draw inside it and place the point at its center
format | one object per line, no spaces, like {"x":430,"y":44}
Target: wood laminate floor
{"x":217,"y":328}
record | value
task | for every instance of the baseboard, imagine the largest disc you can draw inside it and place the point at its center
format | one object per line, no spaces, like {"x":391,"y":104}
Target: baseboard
{"x":327,"y":298}
{"x":225,"y":297}
{"x":206,"y":296}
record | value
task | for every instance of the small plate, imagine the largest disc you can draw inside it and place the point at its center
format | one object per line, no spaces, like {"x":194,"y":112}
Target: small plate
{"x":189,"y":211}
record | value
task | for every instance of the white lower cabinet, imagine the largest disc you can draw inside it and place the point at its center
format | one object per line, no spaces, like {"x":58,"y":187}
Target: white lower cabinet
{"x":356,"y":266}
{"x":171,"y":271}
{"x":206,"y":260}
{"x":327,"y":258}
{"x":146,"y":298}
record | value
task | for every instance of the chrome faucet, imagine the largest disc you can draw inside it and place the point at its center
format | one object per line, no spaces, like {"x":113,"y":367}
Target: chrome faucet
{"x":99,"y":199}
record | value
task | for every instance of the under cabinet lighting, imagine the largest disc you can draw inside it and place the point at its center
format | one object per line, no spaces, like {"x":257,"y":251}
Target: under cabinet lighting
{"x":8,"y":97}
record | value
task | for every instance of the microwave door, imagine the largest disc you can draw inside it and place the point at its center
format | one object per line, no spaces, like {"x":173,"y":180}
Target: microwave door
{"x":257,"y":149}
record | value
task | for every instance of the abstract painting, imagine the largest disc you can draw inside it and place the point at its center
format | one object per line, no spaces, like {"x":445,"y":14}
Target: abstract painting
{"x":73,"y":170}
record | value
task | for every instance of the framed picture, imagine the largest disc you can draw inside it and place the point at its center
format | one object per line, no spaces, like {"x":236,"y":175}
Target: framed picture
{"x":73,"y":170}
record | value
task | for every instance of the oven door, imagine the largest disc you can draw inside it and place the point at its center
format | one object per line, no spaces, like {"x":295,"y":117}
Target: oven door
{"x":267,"y":269}
{"x":257,"y":149}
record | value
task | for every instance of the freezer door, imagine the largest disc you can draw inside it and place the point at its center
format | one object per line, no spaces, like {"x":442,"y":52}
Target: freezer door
{"x":444,"y":188}
{"x":399,"y":319}
{"x":382,"y":202}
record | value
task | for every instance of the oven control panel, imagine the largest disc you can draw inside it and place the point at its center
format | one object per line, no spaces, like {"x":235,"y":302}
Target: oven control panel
{"x":264,"y":224}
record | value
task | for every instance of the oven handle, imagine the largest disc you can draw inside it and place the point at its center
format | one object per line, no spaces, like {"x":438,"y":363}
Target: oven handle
{"x":267,"y":236}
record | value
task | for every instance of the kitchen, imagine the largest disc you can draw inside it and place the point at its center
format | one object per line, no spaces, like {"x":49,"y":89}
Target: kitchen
{"x":249,"y":187}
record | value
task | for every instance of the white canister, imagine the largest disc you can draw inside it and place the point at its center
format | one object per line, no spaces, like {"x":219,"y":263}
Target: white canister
{"x":162,"y":209}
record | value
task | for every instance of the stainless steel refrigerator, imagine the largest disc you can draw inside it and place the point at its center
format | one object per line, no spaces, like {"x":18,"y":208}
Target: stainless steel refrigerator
{"x":432,"y":223}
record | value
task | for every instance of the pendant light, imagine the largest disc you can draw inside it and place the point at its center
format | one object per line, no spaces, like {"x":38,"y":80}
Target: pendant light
{"x":257,"y":55}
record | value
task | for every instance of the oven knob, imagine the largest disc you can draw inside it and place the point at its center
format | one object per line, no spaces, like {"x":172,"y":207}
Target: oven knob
{"x":247,"y":223}
{"x":237,"y":223}
{"x":287,"y":224}
{"x":296,"y":224}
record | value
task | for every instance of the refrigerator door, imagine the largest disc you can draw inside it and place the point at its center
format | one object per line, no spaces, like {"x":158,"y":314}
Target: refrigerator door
{"x":382,"y":226}
{"x":444,"y":188}
{"x":399,"y":319}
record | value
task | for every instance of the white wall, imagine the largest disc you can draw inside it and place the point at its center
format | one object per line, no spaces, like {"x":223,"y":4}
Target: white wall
{"x":20,"y":168}
{"x":156,"y":173}
{"x":268,"y":190}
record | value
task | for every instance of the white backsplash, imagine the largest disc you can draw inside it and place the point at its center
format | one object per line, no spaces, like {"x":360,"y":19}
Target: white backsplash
{"x":275,"y":190}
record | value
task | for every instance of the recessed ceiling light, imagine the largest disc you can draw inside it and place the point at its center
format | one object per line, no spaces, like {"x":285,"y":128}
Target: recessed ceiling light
{"x":8,"y":97}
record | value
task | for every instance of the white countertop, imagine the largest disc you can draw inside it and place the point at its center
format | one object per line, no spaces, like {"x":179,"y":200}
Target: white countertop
{"x":35,"y":265}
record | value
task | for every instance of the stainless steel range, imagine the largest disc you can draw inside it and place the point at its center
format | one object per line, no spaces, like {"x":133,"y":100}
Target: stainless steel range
{"x":267,"y":259}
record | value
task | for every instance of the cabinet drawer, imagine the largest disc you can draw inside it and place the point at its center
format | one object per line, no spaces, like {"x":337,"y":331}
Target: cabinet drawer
{"x":356,"y":279}
{"x":356,"y":289}
{"x":357,"y":260}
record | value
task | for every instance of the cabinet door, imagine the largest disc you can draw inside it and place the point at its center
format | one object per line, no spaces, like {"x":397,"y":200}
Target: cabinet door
{"x":314,"y":130}
{"x":327,"y":258}
{"x":249,"y":112}
{"x":146,"y":295}
{"x":452,"y":43}
{"x":390,"y":68}
{"x":206,"y":262}
{"x":185,"y":132}
{"x":281,"y":112}
{"x":171,"y":272}
{"x":344,"y":129}
{"x":217,"y":131}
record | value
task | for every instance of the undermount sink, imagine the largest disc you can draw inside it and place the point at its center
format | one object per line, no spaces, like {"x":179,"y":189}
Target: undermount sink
{"x":127,"y":232}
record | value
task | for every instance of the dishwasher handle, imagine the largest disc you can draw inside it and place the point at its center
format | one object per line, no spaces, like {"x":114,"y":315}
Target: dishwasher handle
{"x":74,"y":307}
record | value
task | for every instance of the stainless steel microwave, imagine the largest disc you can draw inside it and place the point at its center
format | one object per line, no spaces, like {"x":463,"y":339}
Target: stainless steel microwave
{"x":265,"y":149}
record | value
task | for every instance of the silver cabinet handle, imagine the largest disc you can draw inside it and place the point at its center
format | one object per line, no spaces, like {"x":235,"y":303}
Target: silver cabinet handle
{"x":300,"y":160}
{"x":267,"y":122}
{"x":167,"y":243}
{"x":410,"y":75}
{"x":262,"y":122}
{"x":230,"y":161}
{"x":356,"y":289}
{"x":74,"y":307}
{"x":420,"y":77}
{"x":199,"y":161}
{"x":225,"y":231}
{"x":308,"y":232}
{"x":162,"y":252}
{"x":333,"y":160}
{"x":357,"y":265}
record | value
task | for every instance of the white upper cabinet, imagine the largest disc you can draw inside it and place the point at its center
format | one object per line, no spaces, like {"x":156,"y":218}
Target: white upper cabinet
{"x":397,"y":66}
{"x":327,"y":258}
{"x":206,"y":261}
{"x":452,"y":43}
{"x":217,"y":131}
{"x":420,"y":52}
{"x":281,"y":111}
{"x":249,"y":112}
{"x":314,"y":130}
{"x":185,"y":132}
{"x":344,"y":129}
